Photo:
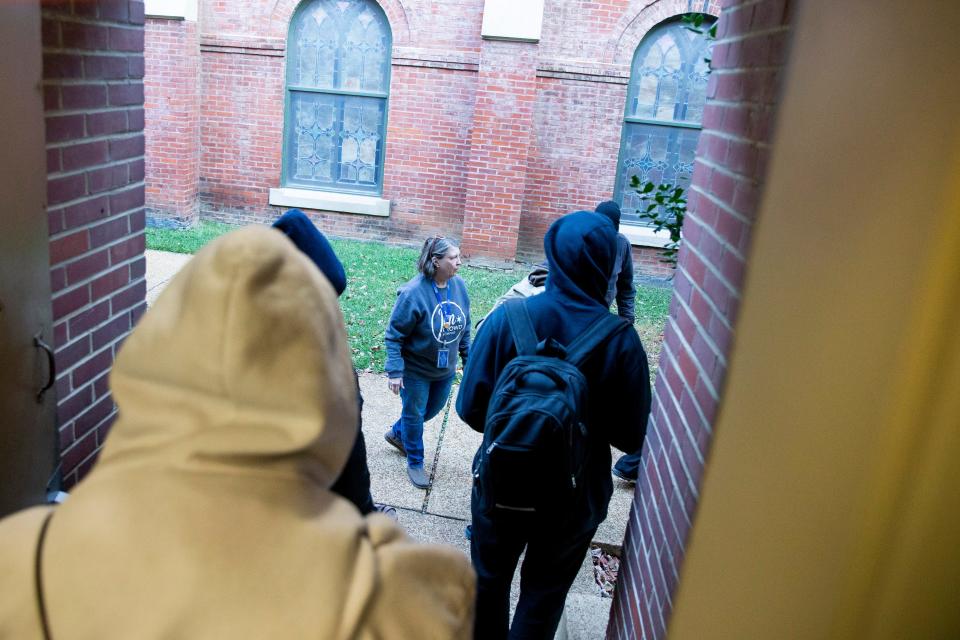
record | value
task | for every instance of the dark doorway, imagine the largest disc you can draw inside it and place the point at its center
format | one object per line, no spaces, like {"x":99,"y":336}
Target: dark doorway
{"x":27,"y":400}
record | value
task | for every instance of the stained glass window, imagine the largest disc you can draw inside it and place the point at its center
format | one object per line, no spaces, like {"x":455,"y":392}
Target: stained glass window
{"x":661,"y":125}
{"x":338,"y":81}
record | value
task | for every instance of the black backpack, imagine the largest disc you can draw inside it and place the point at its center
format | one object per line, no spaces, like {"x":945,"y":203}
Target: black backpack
{"x":535,"y":439}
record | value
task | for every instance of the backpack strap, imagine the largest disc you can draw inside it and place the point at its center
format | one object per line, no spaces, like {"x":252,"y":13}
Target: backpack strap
{"x":602,"y":329}
{"x":521,"y":327}
{"x":38,"y":579}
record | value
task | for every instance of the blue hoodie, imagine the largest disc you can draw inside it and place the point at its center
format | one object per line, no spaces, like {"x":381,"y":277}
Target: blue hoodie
{"x":424,"y":321}
{"x":581,"y":250}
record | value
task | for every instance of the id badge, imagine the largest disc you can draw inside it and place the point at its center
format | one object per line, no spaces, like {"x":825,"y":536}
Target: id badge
{"x":443,"y":358}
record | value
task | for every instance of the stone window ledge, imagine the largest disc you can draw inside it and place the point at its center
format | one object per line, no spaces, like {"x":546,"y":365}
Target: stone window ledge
{"x":171,"y":9}
{"x":640,"y":236}
{"x":330,"y":201}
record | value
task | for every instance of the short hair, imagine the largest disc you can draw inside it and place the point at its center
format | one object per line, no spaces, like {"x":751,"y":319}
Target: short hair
{"x":433,"y":247}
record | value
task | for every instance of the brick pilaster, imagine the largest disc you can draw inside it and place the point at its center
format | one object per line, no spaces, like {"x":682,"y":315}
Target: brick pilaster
{"x":728,"y":178}
{"x":499,"y":146}
{"x":172,"y":97}
{"x":93,"y":105}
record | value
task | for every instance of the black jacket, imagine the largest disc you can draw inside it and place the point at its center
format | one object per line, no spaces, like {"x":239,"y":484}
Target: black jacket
{"x":581,"y":250}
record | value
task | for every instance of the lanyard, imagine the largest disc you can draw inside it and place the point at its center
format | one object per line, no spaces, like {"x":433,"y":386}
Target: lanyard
{"x":436,"y":292}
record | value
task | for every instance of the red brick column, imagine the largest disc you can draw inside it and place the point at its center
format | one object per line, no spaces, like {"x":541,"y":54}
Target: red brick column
{"x":728,"y":179}
{"x":499,"y":146}
{"x":93,"y":104}
{"x":172,"y":97}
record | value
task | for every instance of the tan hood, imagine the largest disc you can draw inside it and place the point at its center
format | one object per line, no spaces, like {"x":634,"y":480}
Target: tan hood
{"x":243,"y":361}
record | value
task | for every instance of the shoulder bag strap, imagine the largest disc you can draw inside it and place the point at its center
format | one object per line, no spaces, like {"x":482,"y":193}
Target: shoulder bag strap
{"x":38,"y":577}
{"x":602,"y":329}
{"x":521,"y":327}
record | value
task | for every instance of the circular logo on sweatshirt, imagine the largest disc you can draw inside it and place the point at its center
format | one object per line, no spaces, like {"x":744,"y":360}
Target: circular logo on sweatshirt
{"x":447,"y":322}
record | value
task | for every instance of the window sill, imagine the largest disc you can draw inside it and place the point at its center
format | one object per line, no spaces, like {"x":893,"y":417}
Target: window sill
{"x":644,"y":236}
{"x":171,"y":9}
{"x":330,"y":201}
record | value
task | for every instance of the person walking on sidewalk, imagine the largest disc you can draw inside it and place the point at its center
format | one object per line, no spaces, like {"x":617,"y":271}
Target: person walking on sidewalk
{"x":580,"y":249}
{"x":429,"y":326}
{"x":354,"y":481}
{"x":620,"y":286}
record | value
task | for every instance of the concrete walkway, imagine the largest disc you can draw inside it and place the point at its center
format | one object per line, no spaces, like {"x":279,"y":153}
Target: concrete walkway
{"x":441,"y":513}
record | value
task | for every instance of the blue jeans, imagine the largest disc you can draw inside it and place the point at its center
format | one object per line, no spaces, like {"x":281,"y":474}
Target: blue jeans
{"x":422,"y":400}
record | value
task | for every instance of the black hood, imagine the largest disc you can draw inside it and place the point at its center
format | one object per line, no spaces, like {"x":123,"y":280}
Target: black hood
{"x":303,"y":233}
{"x":581,"y":249}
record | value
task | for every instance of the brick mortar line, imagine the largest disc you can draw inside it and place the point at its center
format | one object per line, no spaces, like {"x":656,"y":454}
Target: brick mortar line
{"x":93,"y":303}
{"x":697,"y":364}
{"x":725,"y":244}
{"x":108,"y":137}
{"x":106,"y":165}
{"x":575,"y":76}
{"x":444,"y":66}
{"x":110,"y":269}
{"x":753,"y":34}
{"x":723,"y":135}
{"x":703,"y":418}
{"x":722,"y":169}
{"x":93,"y":430}
{"x":242,"y":50}
{"x":721,"y":204}
{"x":729,"y":71}
{"x":736,"y":104}
{"x":671,"y":476}
{"x":70,"y":203}
{"x":69,"y":18}
{"x":686,"y":427}
{"x":86,"y":227}
{"x":713,"y":307}
{"x":110,"y":245}
{"x":723,"y":279}
{"x":90,"y":356}
{"x":89,"y":82}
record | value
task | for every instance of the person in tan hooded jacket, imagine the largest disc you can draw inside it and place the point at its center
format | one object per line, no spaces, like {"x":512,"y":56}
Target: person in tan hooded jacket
{"x":209,"y":514}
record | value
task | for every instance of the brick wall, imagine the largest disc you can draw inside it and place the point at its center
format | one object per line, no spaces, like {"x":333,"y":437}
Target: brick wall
{"x":748,"y":59}
{"x":93,"y":101}
{"x":499,"y":144}
{"x":172,"y":98}
{"x":438,"y":91}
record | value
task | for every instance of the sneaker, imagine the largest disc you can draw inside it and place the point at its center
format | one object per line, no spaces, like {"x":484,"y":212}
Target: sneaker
{"x":418,"y":476}
{"x":386,"y":510}
{"x":394,"y":440}
{"x":623,"y":476}
{"x":468,"y":532}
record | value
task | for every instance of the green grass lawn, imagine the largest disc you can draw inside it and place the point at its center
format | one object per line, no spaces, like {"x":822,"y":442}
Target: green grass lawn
{"x":374,"y":271}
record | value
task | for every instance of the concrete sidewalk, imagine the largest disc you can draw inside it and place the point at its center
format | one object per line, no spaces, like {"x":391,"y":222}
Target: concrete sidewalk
{"x":441,"y":513}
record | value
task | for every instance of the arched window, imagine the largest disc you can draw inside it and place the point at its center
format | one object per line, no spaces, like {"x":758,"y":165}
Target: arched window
{"x":338,"y":80}
{"x":661,"y":124}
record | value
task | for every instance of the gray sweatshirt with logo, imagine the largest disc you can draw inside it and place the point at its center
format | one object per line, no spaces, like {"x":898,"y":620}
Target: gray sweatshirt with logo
{"x":420,"y":326}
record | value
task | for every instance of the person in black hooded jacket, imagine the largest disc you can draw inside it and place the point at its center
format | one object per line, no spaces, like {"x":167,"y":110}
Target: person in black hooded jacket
{"x":354,"y":481}
{"x":581,"y":249}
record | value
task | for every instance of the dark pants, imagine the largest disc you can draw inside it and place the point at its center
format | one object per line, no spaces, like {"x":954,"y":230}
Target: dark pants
{"x":549,"y":568}
{"x":354,"y":481}
{"x":629,"y":465}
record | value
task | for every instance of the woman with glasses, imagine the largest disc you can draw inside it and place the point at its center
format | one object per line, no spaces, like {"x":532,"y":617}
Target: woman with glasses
{"x":429,"y":326}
